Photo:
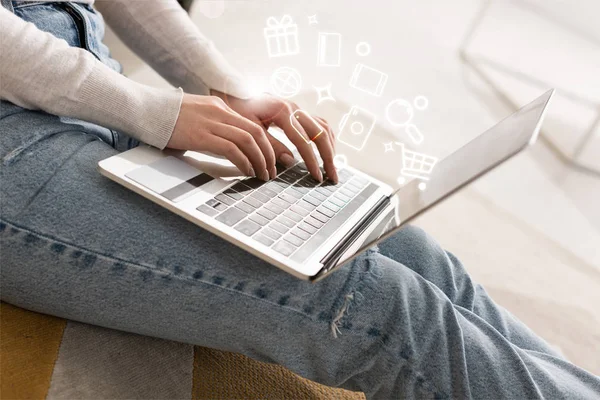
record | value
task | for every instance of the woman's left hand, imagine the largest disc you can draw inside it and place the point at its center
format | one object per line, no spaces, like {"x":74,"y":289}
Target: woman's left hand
{"x":267,"y":109}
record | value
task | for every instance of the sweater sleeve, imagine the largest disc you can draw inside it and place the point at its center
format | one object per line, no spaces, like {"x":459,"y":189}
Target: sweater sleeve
{"x":164,"y":36}
{"x":40,"y":71}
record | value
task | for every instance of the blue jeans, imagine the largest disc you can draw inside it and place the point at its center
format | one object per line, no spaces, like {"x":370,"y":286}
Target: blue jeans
{"x":403,"y":320}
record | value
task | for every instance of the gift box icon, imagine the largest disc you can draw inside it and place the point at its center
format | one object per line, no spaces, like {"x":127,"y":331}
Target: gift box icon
{"x":281,"y":36}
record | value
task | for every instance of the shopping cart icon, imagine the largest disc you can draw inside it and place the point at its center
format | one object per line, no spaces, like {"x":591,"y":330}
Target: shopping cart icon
{"x":415,"y":165}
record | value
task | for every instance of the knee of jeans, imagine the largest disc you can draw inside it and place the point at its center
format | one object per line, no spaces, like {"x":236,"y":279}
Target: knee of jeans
{"x":411,"y":244}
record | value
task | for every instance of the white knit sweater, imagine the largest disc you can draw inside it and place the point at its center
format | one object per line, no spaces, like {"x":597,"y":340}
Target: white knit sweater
{"x":40,"y":71}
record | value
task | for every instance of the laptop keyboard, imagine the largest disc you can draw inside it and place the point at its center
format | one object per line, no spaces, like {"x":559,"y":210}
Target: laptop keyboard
{"x":286,"y":212}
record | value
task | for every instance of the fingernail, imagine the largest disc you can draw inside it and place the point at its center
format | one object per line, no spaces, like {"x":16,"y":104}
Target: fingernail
{"x":273,"y":172}
{"x":319,"y":175}
{"x":265,"y":175}
{"x":251,"y":172}
{"x":287,"y":160}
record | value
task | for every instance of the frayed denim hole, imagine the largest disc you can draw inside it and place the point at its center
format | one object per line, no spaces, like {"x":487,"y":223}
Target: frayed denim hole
{"x":146,"y":275}
{"x":177,"y":270}
{"x":240,"y":286}
{"x":118,"y":268}
{"x":31,"y":238}
{"x":261,"y":293}
{"x":58,"y":248}
{"x":2,"y":226}
{"x":283,"y":300}
{"x":218,"y":280}
{"x":198,"y":274}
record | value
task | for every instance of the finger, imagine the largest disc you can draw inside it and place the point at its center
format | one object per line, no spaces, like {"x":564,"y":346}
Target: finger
{"x":229,"y":150}
{"x":260,"y":137}
{"x":246,"y":143}
{"x":320,"y":138}
{"x":330,"y":132}
{"x":298,"y":136}
{"x":282,"y":153}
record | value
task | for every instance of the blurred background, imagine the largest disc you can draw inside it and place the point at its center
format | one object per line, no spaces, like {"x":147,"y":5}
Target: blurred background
{"x":530,"y":230}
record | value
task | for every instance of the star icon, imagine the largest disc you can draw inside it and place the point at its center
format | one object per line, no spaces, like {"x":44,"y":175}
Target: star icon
{"x":389,"y":147}
{"x":312,"y":19}
{"x":324,"y":93}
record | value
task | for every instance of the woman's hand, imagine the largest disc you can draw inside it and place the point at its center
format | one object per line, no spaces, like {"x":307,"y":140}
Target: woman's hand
{"x":206,"y":123}
{"x":266,"y":110}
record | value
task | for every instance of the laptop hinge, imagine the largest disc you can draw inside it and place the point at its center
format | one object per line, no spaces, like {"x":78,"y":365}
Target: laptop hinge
{"x":331,"y":259}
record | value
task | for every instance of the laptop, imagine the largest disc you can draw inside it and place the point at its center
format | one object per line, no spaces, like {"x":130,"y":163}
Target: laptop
{"x":308,"y":228}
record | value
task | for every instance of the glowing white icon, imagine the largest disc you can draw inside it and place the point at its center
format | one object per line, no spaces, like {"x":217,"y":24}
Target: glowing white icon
{"x":324,"y":93}
{"x":312,"y":19}
{"x":304,"y":118}
{"x":400,"y":113}
{"x":368,"y":79}
{"x":286,"y":82}
{"x":212,"y":8}
{"x":329,"y":53}
{"x":416,"y":165}
{"x":356,"y":127}
{"x":281,"y":36}
{"x":388,"y":147}
{"x":363,"y":49}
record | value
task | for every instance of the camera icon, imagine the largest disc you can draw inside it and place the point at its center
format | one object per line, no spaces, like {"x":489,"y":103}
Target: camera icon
{"x":356,"y":127}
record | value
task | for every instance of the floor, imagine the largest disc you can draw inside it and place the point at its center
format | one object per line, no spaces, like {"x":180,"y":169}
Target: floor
{"x":530,"y":230}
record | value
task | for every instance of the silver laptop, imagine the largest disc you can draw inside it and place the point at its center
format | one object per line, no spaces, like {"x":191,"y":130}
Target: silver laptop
{"x":304,"y":227}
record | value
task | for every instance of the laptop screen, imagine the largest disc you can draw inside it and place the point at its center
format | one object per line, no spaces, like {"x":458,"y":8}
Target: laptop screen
{"x":424,"y":181}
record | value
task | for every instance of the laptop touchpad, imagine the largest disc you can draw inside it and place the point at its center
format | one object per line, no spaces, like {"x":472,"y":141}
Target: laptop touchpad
{"x":169,"y":177}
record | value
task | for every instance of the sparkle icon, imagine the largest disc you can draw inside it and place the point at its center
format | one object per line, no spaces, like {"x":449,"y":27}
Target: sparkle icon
{"x":389,"y":147}
{"x":324,"y":93}
{"x":312,"y":19}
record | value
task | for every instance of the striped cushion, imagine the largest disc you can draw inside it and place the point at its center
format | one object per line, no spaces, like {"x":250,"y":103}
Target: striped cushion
{"x":48,"y":357}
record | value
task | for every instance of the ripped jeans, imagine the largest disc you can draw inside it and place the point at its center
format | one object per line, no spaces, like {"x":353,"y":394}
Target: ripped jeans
{"x":404,"y":320}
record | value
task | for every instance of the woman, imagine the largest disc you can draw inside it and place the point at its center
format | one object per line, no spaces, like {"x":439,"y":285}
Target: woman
{"x":403,"y":320}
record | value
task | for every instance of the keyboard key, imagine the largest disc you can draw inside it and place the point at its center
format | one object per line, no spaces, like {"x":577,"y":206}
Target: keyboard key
{"x":279,"y":202}
{"x":310,"y":199}
{"x":331,"y":206}
{"x":207,"y":210}
{"x":211,"y":203}
{"x":271,"y":233}
{"x":259,"y":219}
{"x":288,"y":178}
{"x":307,"y":228}
{"x":325,"y":191}
{"x":326,"y":211}
{"x":276,"y":226}
{"x":361,"y":180}
{"x":295,"y":173}
{"x":245,"y":207}
{"x":294,"y":193}
{"x":304,"y":183}
{"x":341,"y":197}
{"x":274,"y":208}
{"x":335,"y":201}
{"x":280,"y":168}
{"x":285,"y":248}
{"x":260,"y":197}
{"x":314,"y":222}
{"x":242,"y":189}
{"x":351,"y":189}
{"x":318,"y":196}
{"x":220,"y":206}
{"x":275,"y":187}
{"x":247,"y":227}
{"x":281,"y":183}
{"x":300,"y":233}
{"x":285,"y":221}
{"x":254,"y":183}
{"x":346,"y":192}
{"x":252,"y":201}
{"x":306,"y":205}
{"x":293,"y":216}
{"x":231,"y":216}
{"x":293,"y":239}
{"x":233,"y":194}
{"x":299,"y":210}
{"x":259,"y":237}
{"x":267,"y":192}
{"x":267,"y":214}
{"x":288,"y":198}
{"x":225,"y":199}
{"x":321,"y":217}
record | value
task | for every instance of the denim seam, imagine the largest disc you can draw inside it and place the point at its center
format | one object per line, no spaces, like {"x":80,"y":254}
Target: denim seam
{"x":154,"y":268}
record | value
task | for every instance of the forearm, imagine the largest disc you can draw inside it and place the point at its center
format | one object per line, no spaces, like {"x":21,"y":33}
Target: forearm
{"x":39,"y":71}
{"x":161,"y":32}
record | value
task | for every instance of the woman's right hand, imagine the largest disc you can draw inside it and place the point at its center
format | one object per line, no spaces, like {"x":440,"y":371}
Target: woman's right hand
{"x":206,"y":123}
